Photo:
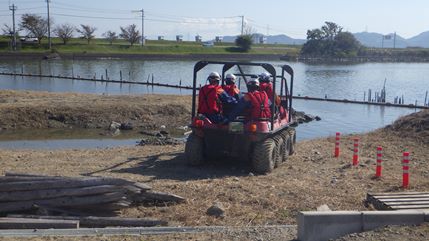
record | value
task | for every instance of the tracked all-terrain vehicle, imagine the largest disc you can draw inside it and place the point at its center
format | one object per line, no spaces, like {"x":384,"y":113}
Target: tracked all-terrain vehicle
{"x":264,"y":143}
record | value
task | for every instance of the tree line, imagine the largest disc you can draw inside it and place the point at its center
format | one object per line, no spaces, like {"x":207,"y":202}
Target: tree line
{"x":330,"y":41}
{"x":37,"y":26}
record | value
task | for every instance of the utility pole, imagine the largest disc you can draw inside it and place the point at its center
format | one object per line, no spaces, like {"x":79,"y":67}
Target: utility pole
{"x":13,"y":8}
{"x":142,"y":12}
{"x":49,"y":26}
{"x":242,"y":25}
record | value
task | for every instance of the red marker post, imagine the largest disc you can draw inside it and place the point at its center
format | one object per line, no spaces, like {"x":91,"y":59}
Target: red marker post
{"x":379,"y":162}
{"x":337,"y":144}
{"x":356,"y":152}
{"x":405,"y":169}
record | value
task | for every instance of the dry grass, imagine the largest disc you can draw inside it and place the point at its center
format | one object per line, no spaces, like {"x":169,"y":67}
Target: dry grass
{"x":310,"y":178}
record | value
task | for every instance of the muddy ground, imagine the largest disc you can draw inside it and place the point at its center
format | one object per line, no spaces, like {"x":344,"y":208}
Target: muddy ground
{"x":310,"y":178}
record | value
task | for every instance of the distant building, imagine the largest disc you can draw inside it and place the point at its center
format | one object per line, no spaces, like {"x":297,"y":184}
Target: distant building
{"x":198,"y":39}
{"x":160,"y":37}
{"x":262,"y":39}
{"x":218,"y":39}
{"x":179,"y":38}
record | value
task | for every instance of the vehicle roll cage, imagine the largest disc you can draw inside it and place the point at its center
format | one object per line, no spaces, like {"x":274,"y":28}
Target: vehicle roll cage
{"x":268,"y":67}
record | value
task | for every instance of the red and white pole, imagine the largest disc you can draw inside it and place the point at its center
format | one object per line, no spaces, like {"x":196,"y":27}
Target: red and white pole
{"x":405,"y":169}
{"x":356,"y":152}
{"x":337,"y":144}
{"x":379,"y":161}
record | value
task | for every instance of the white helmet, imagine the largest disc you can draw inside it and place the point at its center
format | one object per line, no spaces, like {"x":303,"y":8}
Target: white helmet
{"x":214,"y":76}
{"x":253,"y":82}
{"x":230,"y":77}
{"x":264,"y":77}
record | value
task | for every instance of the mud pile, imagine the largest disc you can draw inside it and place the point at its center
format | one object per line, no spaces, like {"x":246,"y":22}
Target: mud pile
{"x":415,"y":125}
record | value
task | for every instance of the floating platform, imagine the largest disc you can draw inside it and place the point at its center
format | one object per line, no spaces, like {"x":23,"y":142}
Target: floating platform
{"x":399,"y":200}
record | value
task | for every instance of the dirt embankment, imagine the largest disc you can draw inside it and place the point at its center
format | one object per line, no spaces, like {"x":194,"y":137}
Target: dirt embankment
{"x":27,"y":109}
{"x":310,"y":178}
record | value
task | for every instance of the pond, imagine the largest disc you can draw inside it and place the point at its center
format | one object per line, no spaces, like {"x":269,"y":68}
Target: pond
{"x":410,"y":80}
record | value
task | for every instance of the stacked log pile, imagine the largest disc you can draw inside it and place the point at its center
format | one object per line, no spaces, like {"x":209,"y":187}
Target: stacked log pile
{"x":77,"y":196}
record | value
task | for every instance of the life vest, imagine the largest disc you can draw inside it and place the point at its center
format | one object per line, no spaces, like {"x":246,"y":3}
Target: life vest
{"x":208,"y":100}
{"x":268,"y":88}
{"x":231,"y":90}
{"x":260,"y":105}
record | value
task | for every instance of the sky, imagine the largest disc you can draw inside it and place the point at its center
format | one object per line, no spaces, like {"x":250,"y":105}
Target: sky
{"x":189,"y":18}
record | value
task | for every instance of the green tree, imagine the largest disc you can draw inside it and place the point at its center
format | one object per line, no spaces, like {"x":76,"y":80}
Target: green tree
{"x":331,"y":30}
{"x":330,"y":41}
{"x":35,"y":25}
{"x":244,"y":42}
{"x":347,"y":44}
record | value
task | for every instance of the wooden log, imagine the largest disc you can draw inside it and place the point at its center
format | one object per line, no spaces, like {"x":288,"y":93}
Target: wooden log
{"x":27,"y":223}
{"x":141,"y":186}
{"x":131,"y":186}
{"x":152,"y":196}
{"x":26,"y":179}
{"x":17,"y":174}
{"x":54,"y":193}
{"x":62,"y":202}
{"x":66,"y":183}
{"x":133,"y":189}
{"x":44,"y":210}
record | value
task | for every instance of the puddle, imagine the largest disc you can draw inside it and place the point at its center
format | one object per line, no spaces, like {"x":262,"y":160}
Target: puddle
{"x":71,"y":138}
{"x":66,"y":143}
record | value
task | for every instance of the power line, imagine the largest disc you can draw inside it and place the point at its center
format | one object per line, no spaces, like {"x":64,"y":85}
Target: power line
{"x":185,"y":21}
{"x":94,"y":17}
{"x":92,"y":9}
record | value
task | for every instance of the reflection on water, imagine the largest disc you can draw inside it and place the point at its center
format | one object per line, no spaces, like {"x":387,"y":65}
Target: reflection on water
{"x":336,"y":117}
{"x":66,"y":144}
{"x":345,"y":118}
{"x":335,"y":81}
{"x":348,"y":81}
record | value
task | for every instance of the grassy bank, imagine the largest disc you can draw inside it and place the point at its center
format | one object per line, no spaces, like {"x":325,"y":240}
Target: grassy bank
{"x":101,"y":46}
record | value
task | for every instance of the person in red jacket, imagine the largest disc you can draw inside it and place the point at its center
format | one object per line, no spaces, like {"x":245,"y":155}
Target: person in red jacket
{"x":211,"y":97}
{"x":230,"y":86}
{"x":255,"y":103}
{"x":267,"y":86}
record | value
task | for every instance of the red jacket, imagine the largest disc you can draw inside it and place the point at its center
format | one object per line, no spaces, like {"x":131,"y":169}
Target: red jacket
{"x":231,"y":90}
{"x":208,"y":99}
{"x":268,"y":88}
{"x":260,"y":105}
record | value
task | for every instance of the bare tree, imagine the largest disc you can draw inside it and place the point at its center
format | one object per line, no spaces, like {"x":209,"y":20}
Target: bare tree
{"x":64,"y":32}
{"x":110,"y":36}
{"x":130,"y":34}
{"x":248,"y":29}
{"x":8,"y":30}
{"x":87,"y":32}
{"x":35,"y":25}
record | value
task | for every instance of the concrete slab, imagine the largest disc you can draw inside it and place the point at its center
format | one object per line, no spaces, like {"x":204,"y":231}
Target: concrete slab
{"x":315,"y":226}
{"x":426,"y":212}
{"x":375,"y":219}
